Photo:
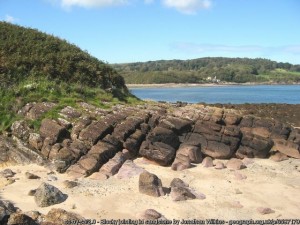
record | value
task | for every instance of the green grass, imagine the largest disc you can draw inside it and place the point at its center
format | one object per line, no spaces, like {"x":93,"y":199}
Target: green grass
{"x":63,"y":94}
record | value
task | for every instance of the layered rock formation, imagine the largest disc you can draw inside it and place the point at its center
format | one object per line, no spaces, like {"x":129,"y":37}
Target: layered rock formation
{"x":87,"y":140}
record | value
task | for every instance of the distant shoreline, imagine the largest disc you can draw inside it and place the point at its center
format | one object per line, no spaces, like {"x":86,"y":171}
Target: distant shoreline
{"x":177,"y":85}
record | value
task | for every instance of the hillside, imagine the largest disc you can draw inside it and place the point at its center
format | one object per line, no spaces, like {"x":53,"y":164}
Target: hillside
{"x":239,"y":70}
{"x":27,"y":53}
{"x":37,"y":67}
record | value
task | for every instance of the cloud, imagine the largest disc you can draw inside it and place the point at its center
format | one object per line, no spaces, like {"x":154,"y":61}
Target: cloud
{"x":10,"y":19}
{"x":92,"y":3}
{"x":183,"y":6}
{"x":188,"y":6}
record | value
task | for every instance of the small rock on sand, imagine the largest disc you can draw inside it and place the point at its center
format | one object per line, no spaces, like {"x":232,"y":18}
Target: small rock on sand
{"x":151,"y":214}
{"x":7,"y":173}
{"x":264,"y":210}
{"x":235,"y":164}
{"x":207,"y":162}
{"x":150,"y":184}
{"x":70,"y":184}
{"x":278,"y":157}
{"x":220,"y":165}
{"x":239,"y":176}
{"x":31,"y":176}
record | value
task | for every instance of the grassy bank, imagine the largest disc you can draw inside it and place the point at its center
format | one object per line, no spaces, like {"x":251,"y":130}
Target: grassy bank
{"x":61,"y":93}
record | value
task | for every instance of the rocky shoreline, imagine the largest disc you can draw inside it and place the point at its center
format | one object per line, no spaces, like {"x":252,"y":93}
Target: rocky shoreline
{"x":96,"y":144}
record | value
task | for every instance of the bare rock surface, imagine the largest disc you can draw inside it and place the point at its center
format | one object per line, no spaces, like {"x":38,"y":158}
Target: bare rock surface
{"x":47,"y":195}
{"x":129,"y":169}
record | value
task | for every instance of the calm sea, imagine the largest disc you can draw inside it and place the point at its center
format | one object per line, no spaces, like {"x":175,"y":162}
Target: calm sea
{"x":223,"y":94}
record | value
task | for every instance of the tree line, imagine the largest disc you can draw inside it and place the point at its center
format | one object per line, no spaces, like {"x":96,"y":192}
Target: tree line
{"x":238,"y":70}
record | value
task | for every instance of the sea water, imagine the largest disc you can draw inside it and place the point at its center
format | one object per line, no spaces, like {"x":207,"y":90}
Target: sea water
{"x":235,"y":94}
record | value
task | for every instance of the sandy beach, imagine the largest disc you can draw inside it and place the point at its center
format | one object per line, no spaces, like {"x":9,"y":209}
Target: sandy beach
{"x":268,"y":184}
{"x":178,"y":85}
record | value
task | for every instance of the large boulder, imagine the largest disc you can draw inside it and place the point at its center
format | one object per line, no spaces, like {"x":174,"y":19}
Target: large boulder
{"x":150,"y":184}
{"x":159,"y":152}
{"x":47,"y":195}
{"x":51,"y":129}
{"x":160,"y":146}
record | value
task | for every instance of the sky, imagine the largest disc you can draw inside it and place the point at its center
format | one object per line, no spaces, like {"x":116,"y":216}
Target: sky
{"x":122,"y":31}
